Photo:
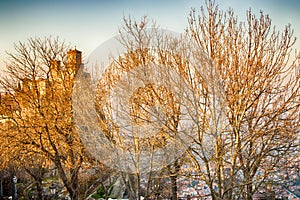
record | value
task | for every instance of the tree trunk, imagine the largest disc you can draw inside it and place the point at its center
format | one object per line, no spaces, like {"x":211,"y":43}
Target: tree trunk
{"x":39,"y":188}
{"x":249,"y":191}
{"x":133,"y":186}
{"x":174,"y":187}
{"x":1,"y":188}
{"x":72,"y":186}
{"x":173,"y":177}
{"x":37,"y":174}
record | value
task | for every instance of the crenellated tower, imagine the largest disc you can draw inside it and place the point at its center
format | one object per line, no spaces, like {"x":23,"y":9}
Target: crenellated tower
{"x":74,"y":62}
{"x":74,"y":58}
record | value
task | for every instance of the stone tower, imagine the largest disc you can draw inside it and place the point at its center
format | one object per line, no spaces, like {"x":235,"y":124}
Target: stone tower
{"x":74,"y":57}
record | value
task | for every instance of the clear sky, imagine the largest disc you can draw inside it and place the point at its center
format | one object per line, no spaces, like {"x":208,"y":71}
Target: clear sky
{"x":86,"y":24}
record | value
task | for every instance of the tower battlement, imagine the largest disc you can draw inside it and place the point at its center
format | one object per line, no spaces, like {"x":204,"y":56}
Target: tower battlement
{"x":74,"y":57}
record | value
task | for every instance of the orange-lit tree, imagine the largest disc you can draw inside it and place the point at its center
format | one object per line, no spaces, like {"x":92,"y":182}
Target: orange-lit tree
{"x":250,"y":118}
{"x":39,"y":79}
{"x":138,"y":101}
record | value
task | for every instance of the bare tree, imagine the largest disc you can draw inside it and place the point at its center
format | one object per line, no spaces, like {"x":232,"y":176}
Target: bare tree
{"x":250,"y":116}
{"x":138,"y":106}
{"x":39,"y":79}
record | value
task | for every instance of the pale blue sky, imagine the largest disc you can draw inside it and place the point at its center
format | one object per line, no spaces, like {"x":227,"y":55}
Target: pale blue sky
{"x":87,"y":24}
